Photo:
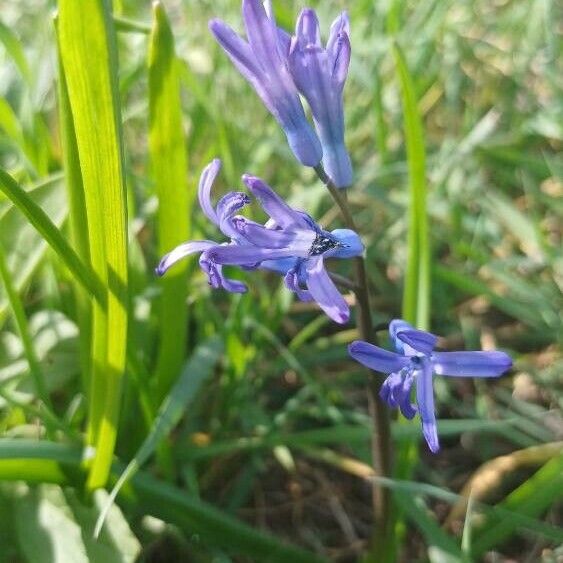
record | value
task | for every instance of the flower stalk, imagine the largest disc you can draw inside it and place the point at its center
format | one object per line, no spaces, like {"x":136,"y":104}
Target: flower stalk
{"x":381,"y":425}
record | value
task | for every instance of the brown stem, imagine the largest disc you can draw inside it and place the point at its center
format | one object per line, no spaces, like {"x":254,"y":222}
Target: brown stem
{"x":343,"y":282}
{"x":381,"y":435}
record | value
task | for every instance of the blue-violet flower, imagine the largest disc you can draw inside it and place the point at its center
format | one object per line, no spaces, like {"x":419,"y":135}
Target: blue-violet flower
{"x":263,"y":62}
{"x":319,"y":74}
{"x":416,"y":362}
{"x":290,"y":243}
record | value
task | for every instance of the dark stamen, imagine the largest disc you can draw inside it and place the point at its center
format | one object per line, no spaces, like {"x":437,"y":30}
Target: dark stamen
{"x":322,"y":243}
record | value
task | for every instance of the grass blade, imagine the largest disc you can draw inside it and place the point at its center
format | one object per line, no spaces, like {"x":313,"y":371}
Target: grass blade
{"x":156,"y":498}
{"x":196,"y":371}
{"x":530,"y":500}
{"x":89,"y":58}
{"x":197,"y":517}
{"x":14,"y":48}
{"x":416,"y":291}
{"x":39,"y":219}
{"x":416,"y":297}
{"x":78,"y":219}
{"x":168,"y":170}
{"x":23,"y":328}
{"x":436,"y":538}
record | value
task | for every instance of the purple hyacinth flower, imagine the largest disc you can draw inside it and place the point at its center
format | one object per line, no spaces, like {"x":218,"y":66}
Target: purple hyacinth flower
{"x":290,"y":243}
{"x":319,"y":73}
{"x":295,"y":246}
{"x":262,"y":61}
{"x":416,"y":362}
{"x":221,"y":215}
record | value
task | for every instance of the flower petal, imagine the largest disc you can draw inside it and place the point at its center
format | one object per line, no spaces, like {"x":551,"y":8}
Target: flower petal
{"x":471,"y":364}
{"x":396,"y":326}
{"x":281,"y":265}
{"x":425,"y":402}
{"x":204,"y":189}
{"x":418,"y":340}
{"x":324,"y":291}
{"x":262,"y":34}
{"x":377,"y":358}
{"x":215,"y":275}
{"x":237,"y":49}
{"x":182,"y":251}
{"x":273,"y":204}
{"x":389,"y":388}
{"x":233,"y":286}
{"x":341,"y":61}
{"x":307,"y":29}
{"x":300,"y":241}
{"x":238,"y":255}
{"x":284,"y":38}
{"x":292,"y":282}
{"x":408,"y":410}
{"x":312,"y":73}
{"x":351,"y":244}
{"x":339,"y":49}
{"x":228,"y":205}
{"x":341,"y":25}
{"x":284,"y":42}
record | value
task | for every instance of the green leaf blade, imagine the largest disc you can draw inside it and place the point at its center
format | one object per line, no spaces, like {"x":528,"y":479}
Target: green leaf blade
{"x":416,"y":297}
{"x":168,"y":170}
{"x":89,"y":58}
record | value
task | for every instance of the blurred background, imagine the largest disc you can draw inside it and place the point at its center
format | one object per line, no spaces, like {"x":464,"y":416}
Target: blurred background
{"x":272,"y":430}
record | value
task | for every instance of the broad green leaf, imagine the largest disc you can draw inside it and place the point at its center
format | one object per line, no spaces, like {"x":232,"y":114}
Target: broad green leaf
{"x":55,"y":341}
{"x":116,"y":543}
{"x":89,"y":59}
{"x":45,"y":527}
{"x":168,"y":171}
{"x":59,"y":527}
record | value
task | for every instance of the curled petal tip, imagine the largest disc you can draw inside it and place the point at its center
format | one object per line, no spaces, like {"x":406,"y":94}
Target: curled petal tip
{"x":342,"y":317}
{"x":214,"y":24}
{"x":353,"y":346}
{"x":431,"y":438}
{"x":307,"y":29}
{"x":256,"y":185}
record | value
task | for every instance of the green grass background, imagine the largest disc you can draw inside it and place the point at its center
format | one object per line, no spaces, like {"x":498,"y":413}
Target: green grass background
{"x":238,"y":415}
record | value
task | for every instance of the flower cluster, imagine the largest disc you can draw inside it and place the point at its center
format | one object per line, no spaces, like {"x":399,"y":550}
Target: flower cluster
{"x":414,"y":363}
{"x":290,"y":243}
{"x":282,"y":68}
